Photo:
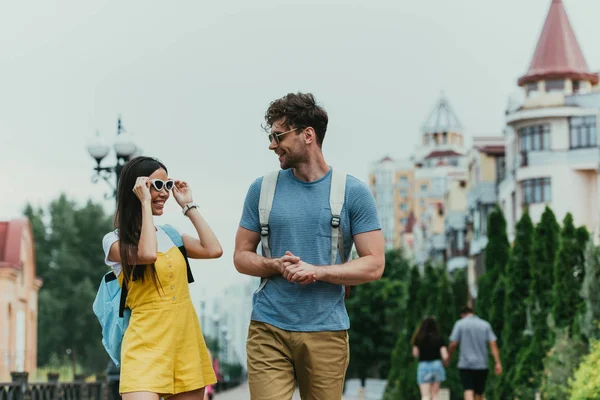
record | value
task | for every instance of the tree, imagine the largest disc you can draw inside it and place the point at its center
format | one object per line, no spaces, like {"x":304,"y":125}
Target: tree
{"x":71,"y":263}
{"x":527,"y":376}
{"x":375,"y":311}
{"x":490,"y":297}
{"x":403,"y":368}
{"x":515,"y":310}
{"x":566,"y":287}
{"x":560,"y":364}
{"x":590,"y":292}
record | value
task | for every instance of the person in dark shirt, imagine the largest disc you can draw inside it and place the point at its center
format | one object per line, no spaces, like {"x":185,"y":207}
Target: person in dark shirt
{"x":432,"y":352}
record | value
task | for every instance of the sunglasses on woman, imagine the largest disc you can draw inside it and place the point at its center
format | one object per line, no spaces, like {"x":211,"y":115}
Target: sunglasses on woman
{"x":159,"y":184}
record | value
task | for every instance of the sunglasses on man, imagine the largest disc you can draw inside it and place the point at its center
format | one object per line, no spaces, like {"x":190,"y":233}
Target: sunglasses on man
{"x":275,"y":135}
{"x":159,"y":184}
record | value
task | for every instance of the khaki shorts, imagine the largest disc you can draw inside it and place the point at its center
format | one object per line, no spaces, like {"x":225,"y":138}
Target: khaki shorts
{"x":277,"y":359}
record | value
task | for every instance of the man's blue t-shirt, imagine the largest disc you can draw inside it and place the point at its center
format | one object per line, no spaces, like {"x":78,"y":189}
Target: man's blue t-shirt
{"x":300,"y":222}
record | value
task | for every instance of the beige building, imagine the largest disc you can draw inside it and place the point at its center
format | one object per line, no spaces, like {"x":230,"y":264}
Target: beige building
{"x":551,"y":137}
{"x":19,"y":287}
{"x":410,"y":194}
{"x":486,"y":167}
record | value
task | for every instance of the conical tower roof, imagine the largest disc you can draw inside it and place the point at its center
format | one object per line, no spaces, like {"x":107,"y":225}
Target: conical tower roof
{"x":442,"y":118}
{"x":558,"y":55}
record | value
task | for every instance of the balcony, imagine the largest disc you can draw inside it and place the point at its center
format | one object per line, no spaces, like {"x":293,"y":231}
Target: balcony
{"x":578,"y":159}
{"x":457,"y":263}
{"x":482,"y":193}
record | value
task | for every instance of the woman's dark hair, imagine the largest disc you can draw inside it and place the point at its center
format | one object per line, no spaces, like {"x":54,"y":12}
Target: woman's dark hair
{"x":300,"y":110}
{"x":128,"y":218}
{"x":428,"y":331}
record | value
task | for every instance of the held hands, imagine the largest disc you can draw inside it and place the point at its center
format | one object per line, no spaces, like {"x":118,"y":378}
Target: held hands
{"x":182,"y":193}
{"x":295,"y":270}
{"x":142,"y":189}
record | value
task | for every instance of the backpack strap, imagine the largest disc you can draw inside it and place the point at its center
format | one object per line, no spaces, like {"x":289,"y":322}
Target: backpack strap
{"x":178,"y":241}
{"x":337,"y":193}
{"x":265,"y":203}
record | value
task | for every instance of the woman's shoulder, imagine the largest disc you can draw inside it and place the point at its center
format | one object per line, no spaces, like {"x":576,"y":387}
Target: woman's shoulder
{"x":111,"y":236}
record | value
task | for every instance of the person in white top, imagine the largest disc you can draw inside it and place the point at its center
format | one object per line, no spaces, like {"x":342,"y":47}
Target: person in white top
{"x":163,"y":352}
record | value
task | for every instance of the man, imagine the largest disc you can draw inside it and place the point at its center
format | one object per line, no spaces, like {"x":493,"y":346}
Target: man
{"x":474,"y":334}
{"x":299,"y":321}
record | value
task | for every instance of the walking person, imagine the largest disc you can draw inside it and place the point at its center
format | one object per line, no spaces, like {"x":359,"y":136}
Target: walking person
{"x":163,"y":351}
{"x":474,"y":335}
{"x":432,"y":353}
{"x":298,"y":329}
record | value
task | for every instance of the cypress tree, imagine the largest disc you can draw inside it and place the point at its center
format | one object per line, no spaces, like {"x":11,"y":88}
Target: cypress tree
{"x":527,"y":376}
{"x":490,"y":297}
{"x":515,"y":310}
{"x":566,"y":286}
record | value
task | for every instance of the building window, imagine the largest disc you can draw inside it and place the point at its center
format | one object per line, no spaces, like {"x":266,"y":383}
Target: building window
{"x":582,"y":132}
{"x":403,"y":179}
{"x":403,"y":193}
{"x":423,"y":188}
{"x":500,"y":168}
{"x":555,"y":85}
{"x":403,"y":206}
{"x":537,"y":190}
{"x":576,"y":87}
{"x":404,"y":221}
{"x":531,"y":88}
{"x":422,"y":202}
{"x":534,"y":138}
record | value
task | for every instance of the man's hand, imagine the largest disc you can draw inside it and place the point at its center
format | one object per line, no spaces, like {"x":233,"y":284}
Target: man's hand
{"x":498,"y":368}
{"x":296,"y":270}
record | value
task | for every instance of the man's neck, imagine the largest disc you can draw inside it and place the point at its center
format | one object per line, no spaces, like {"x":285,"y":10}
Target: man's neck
{"x":312,"y":170}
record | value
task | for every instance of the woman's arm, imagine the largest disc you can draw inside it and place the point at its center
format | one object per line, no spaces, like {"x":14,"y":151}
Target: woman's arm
{"x":415,"y":352}
{"x":444,"y":354}
{"x":147,"y":250}
{"x":206,"y":245}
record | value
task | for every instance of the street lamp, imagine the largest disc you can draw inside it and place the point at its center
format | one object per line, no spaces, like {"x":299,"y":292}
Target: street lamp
{"x":125,"y":148}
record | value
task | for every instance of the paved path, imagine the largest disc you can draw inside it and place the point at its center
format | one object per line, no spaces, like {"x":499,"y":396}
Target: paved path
{"x":374,"y":391}
{"x":242,"y":393}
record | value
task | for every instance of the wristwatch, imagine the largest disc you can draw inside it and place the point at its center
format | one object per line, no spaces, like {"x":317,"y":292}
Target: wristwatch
{"x":187,"y":207}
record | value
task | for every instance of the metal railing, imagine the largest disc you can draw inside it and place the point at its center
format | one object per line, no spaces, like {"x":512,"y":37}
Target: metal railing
{"x":21,"y":389}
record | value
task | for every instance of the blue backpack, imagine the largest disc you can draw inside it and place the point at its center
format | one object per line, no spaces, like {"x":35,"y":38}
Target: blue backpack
{"x":109,"y":305}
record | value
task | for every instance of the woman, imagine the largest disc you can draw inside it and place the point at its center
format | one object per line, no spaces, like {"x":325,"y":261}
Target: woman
{"x":431,"y":350}
{"x":163,"y":352}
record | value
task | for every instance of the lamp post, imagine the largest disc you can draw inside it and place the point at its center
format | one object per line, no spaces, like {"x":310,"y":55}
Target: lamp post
{"x":125,"y":148}
{"x":99,"y":148}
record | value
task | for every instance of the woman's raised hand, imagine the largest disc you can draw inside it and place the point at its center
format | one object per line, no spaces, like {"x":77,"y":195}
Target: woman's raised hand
{"x":182,"y":193}
{"x":142,"y":189}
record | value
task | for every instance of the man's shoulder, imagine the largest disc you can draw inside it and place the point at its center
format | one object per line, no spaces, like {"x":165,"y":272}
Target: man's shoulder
{"x":355,"y":187}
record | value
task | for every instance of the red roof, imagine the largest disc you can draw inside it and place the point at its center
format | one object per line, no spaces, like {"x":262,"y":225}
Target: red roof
{"x":11,"y":233}
{"x":492,"y":150}
{"x":558,"y":55}
{"x":442,"y":153}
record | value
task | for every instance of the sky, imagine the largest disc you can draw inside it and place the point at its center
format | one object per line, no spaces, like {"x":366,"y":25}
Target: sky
{"x":192,"y":80}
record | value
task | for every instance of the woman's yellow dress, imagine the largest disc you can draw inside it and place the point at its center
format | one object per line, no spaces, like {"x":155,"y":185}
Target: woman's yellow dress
{"x":163,"y":348}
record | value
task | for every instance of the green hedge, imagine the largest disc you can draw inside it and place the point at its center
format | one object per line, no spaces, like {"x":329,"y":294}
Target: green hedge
{"x":586,"y":382}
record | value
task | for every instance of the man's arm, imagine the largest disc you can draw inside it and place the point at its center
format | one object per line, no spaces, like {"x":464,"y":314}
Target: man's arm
{"x":451,"y":349}
{"x":496,"y":354}
{"x":246,"y":260}
{"x":368,"y":267}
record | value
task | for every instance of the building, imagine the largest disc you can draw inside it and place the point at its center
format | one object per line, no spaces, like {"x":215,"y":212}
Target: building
{"x":551,"y":141}
{"x":486,"y":167}
{"x":410,"y":194}
{"x":19,"y":289}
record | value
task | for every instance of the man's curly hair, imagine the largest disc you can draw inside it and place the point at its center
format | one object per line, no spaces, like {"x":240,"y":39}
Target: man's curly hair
{"x":300,"y":110}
